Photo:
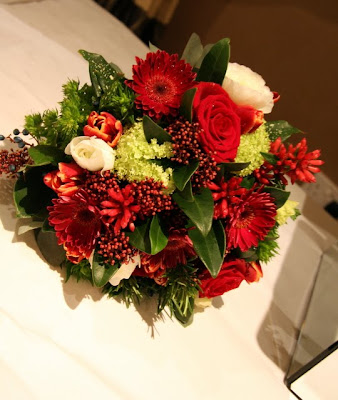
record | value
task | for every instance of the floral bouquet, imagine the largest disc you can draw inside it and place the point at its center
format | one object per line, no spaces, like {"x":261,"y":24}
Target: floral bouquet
{"x":171,"y":184}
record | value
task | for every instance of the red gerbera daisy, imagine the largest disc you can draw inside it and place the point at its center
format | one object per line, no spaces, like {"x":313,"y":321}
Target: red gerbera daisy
{"x":160,"y":81}
{"x":77,"y":224}
{"x":250,"y":220}
{"x":178,"y":251}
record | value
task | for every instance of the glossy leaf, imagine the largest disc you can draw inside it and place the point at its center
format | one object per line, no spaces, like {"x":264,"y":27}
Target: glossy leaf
{"x":101,"y":272}
{"x":200,"y":210}
{"x":31,"y":195}
{"x":158,"y":239}
{"x":205,"y":51}
{"x":44,"y":154}
{"x":279,"y":195}
{"x":248,"y":182}
{"x":181,"y":175}
{"x":232,"y":167}
{"x":281,"y":129}
{"x":140,"y":237}
{"x":184,"y":316}
{"x":152,"y":130}
{"x":270,"y":158}
{"x":102,"y":74}
{"x":186,"y":104}
{"x":193,"y":50}
{"x":215,"y":63}
{"x":210,"y":248}
{"x":48,"y":245}
{"x":186,"y":193}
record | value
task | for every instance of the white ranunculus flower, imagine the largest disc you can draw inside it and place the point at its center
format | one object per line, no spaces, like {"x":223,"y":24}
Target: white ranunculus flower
{"x":246,"y":87}
{"x":91,"y":153}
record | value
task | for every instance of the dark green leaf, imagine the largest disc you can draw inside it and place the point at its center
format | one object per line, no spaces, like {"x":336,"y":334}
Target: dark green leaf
{"x":215,"y":63}
{"x":200,"y":210}
{"x":101,"y":273}
{"x":210,"y":248}
{"x":270,"y":158}
{"x":206,"y":50}
{"x":186,"y":104}
{"x":140,"y":237}
{"x":44,"y":154}
{"x":249,"y":255}
{"x":152,"y":130}
{"x":181,"y":175}
{"x":46,"y":227}
{"x":279,"y":195}
{"x":232,"y":167}
{"x":281,"y":129}
{"x":31,"y":195}
{"x":102,"y":74}
{"x":186,"y":193}
{"x":248,"y":182}
{"x":158,"y":240}
{"x":193,"y":50}
{"x":48,"y":245}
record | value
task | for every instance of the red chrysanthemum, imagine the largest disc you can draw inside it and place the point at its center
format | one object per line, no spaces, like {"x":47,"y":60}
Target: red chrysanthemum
{"x":177,"y":252}
{"x":159,"y":82}
{"x":120,"y":209}
{"x":77,"y":224}
{"x":250,"y":220}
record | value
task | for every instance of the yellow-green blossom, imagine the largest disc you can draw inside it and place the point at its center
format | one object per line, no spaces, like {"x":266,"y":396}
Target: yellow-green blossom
{"x":134,"y":155}
{"x":289,"y":209}
{"x":250,"y":148}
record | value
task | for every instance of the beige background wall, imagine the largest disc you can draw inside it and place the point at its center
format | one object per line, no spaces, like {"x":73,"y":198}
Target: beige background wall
{"x":292,"y":44}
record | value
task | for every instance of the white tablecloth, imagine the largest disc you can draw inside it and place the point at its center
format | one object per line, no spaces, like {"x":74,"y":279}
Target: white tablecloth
{"x":67,"y":341}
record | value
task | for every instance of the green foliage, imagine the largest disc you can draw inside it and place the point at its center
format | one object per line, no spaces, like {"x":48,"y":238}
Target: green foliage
{"x":210,"y":248}
{"x":182,"y":174}
{"x":48,"y":245}
{"x":43,"y":126}
{"x":280,"y":129}
{"x":187,"y":102}
{"x":119,"y":99}
{"x":179,"y":292}
{"x":75,"y":109}
{"x":215,"y":63}
{"x":52,"y":128}
{"x":268,"y":247}
{"x":152,"y":130}
{"x":101,"y":271}
{"x":80,"y":271}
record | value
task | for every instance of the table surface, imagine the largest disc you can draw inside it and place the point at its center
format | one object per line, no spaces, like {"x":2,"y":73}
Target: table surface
{"x":68,"y":341}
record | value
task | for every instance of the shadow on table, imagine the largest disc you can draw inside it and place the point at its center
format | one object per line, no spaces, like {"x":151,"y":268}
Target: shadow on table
{"x":315,"y":231}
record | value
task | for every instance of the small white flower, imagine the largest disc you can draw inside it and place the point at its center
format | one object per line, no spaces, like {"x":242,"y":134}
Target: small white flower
{"x":91,"y":153}
{"x":246,"y":87}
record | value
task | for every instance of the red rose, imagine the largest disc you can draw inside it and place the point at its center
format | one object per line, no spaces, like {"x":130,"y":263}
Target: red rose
{"x":230,"y":277}
{"x":216,"y":113}
{"x":104,"y":126}
{"x":66,"y":180}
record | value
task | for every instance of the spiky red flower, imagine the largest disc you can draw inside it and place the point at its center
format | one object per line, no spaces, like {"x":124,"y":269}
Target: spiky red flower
{"x":226,"y":194}
{"x":297,"y":163}
{"x":120,"y":209}
{"x":177,"y":252}
{"x":77,"y":224}
{"x":250,"y":220}
{"x":160,"y":81}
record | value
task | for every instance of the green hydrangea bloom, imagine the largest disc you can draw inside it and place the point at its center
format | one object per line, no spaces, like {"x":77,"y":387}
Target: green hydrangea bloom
{"x":133,"y":155}
{"x":289,"y":209}
{"x":250,"y":148}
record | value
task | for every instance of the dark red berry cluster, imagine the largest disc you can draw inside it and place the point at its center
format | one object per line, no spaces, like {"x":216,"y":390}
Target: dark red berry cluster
{"x":114,"y":248}
{"x":186,"y":148}
{"x":149,"y":196}
{"x":11,"y":161}
{"x":97,"y":184}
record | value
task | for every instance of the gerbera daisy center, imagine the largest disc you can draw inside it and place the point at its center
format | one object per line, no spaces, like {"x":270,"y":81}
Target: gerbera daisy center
{"x":161,"y":89}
